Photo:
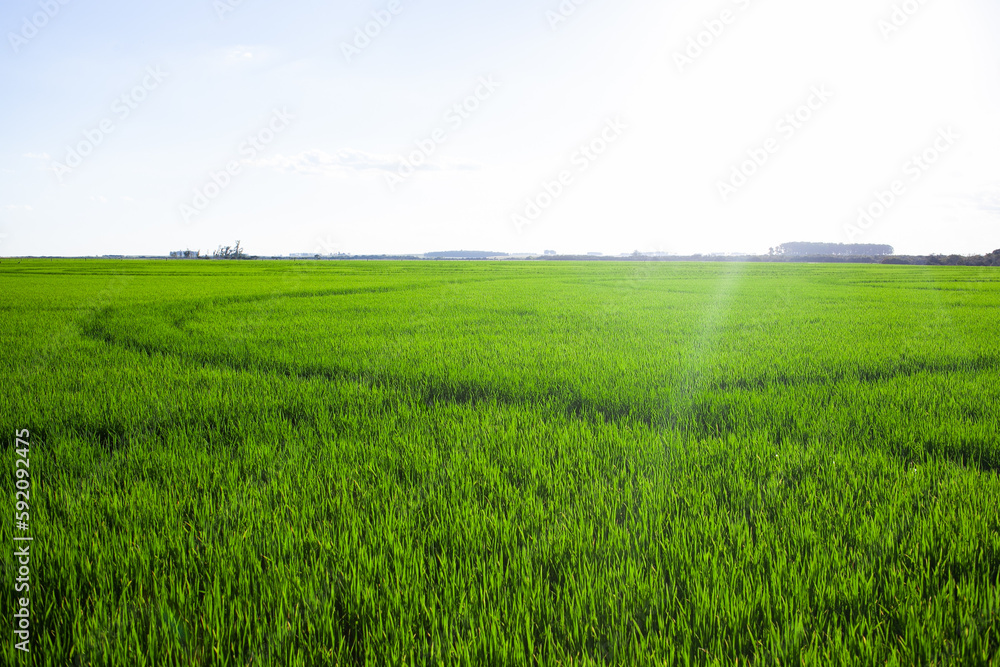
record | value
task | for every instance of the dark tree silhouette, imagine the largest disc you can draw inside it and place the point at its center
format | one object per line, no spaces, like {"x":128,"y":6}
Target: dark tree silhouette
{"x":230,"y":252}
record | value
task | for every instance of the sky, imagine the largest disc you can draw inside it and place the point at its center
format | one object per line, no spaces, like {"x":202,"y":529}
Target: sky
{"x":409,"y":126}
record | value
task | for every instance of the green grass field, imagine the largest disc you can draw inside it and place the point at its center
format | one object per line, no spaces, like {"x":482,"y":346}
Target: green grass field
{"x":276,"y":463}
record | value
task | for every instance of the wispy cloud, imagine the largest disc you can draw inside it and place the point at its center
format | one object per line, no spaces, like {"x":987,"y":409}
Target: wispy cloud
{"x":36,"y":156}
{"x":243,"y":55}
{"x":239,"y":54}
{"x":19,"y":207}
{"x":351,"y":161}
{"x":988,"y":200}
{"x":985,"y":199}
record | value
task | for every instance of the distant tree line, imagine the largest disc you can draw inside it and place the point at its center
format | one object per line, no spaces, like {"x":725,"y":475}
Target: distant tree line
{"x":991,"y":259}
{"x":803,"y":249}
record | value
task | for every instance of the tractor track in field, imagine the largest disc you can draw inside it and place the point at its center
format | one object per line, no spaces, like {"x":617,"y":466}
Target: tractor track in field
{"x":903,"y":368}
{"x":430,"y":392}
{"x":566,"y":400}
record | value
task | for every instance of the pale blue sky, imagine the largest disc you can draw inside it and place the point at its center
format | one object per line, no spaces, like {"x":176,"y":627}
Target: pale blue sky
{"x":669,"y":132}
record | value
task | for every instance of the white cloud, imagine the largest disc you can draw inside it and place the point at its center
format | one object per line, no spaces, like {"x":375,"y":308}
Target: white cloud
{"x":985,"y":199}
{"x":36,"y":156}
{"x":19,"y":207}
{"x":350,"y":161}
{"x":988,"y":200}
{"x":239,"y":54}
